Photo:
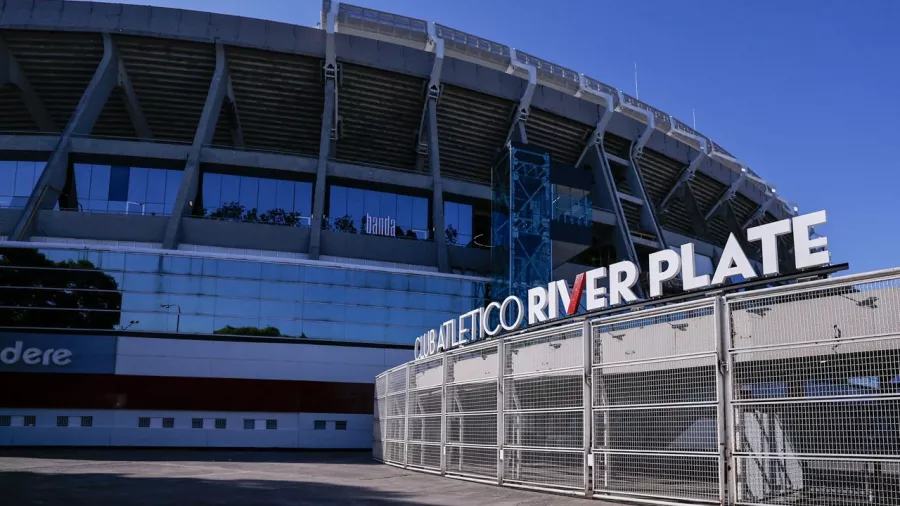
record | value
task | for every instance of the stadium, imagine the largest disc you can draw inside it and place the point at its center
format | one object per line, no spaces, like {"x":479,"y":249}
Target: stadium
{"x":217,"y":230}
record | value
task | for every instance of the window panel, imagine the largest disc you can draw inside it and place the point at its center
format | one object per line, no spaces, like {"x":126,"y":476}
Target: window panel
{"x":137,"y":186}
{"x":249,"y":192}
{"x":323,"y":330}
{"x":212,"y":192}
{"x":231,"y":189}
{"x":337,"y":202}
{"x":173,"y":182}
{"x":156,"y":186}
{"x":268,"y":194}
{"x":273,"y":309}
{"x":99,"y":182}
{"x":236,"y":287}
{"x":420,"y":214}
{"x":281,"y":291}
{"x":245,"y":308}
{"x":24,"y":179}
{"x":284,"y":196}
{"x":280,"y":272}
{"x":303,"y":198}
{"x":136,"y":262}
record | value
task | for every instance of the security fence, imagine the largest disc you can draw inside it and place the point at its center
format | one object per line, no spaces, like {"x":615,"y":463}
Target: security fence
{"x":782,"y":396}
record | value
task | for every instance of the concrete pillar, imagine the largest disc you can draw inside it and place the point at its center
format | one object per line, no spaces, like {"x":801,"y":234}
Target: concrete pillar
{"x":190,"y":181}
{"x":315,"y":236}
{"x":437,"y":199}
{"x":53,"y":180}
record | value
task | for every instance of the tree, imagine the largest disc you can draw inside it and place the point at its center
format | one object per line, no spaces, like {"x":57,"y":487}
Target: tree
{"x":451,"y":235}
{"x":249,"y":331}
{"x":345,"y":224}
{"x":44,"y":293}
{"x":229,"y":211}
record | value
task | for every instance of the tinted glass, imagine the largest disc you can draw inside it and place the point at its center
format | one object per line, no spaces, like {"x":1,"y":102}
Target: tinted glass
{"x":130,"y":190}
{"x":17,"y":180}
{"x":380,"y":213}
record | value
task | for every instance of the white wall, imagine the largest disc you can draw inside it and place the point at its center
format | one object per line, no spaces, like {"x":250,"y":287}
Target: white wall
{"x":120,"y":428}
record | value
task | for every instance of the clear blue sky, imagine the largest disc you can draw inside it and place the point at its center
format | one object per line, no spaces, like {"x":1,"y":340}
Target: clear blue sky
{"x":805,"y":92}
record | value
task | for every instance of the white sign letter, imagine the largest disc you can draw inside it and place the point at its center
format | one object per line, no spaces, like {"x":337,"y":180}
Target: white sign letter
{"x":733,"y":254}
{"x":803,"y":256}
{"x":619,"y":287}
{"x":768,"y":234}
{"x":596,"y":295}
{"x":537,"y":305}
{"x":657,"y":275}
{"x":689,"y":278}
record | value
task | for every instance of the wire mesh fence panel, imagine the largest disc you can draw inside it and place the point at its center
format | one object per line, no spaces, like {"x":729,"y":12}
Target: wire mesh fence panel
{"x":425,"y":402}
{"x":396,"y":381}
{"x":394,"y":429}
{"x":426,"y":456}
{"x":472,"y":364}
{"x":472,"y":397}
{"x":395,"y":405}
{"x":426,"y":374}
{"x":552,"y":390}
{"x":561,"y":349}
{"x":685,"y":381}
{"x":381,"y":386}
{"x":816,"y":393}
{"x":474,"y":461}
{"x":817,"y":314}
{"x":655,"y":392}
{"x":782,"y":480}
{"x":544,"y":429}
{"x":472,"y":429}
{"x":682,"y":477}
{"x":394,"y":452}
{"x":425,"y":429}
{"x":546,"y":468}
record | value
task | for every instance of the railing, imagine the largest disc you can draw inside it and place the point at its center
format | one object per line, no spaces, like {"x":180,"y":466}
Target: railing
{"x":782,"y":396}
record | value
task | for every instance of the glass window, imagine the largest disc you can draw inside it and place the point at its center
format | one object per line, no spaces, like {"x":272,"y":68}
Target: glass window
{"x":457,"y":224}
{"x":349,"y":208}
{"x":261,"y":200}
{"x":121,"y":189}
{"x":17,"y":180}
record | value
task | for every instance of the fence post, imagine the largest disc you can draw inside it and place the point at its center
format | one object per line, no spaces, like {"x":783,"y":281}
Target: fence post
{"x":501,"y":368}
{"x":586,"y":401}
{"x":444,"y":372}
{"x":724,"y":385}
{"x":406,"y":368}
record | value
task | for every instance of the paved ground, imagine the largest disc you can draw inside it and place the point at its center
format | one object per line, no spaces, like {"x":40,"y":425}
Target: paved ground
{"x":119,"y":477}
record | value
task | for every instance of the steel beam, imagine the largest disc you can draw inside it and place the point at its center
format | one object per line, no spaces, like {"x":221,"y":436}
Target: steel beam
{"x":686,"y":175}
{"x":434,"y":45}
{"x":771,"y":198}
{"x":11,"y":73}
{"x":517,"y":128}
{"x":190,"y":181}
{"x":727,"y":195}
{"x":132,"y":104}
{"x":53,"y":181}
{"x":327,"y":134}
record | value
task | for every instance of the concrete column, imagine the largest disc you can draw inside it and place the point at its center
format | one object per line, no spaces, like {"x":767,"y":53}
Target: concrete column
{"x":437,"y":199}
{"x":315,"y":236}
{"x":190,"y":181}
{"x":51,"y":183}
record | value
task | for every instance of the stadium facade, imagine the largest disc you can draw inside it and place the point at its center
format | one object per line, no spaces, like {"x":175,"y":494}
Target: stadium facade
{"x":218,"y":230}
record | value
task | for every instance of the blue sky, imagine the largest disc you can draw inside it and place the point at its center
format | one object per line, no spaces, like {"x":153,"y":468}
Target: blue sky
{"x":805,"y":92}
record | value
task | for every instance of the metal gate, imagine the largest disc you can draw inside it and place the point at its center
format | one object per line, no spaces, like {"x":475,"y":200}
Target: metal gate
{"x":656,"y":405}
{"x":786,"y":396}
{"x":815,"y":393}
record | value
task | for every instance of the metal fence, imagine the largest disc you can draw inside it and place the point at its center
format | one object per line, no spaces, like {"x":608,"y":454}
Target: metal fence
{"x":782,"y":396}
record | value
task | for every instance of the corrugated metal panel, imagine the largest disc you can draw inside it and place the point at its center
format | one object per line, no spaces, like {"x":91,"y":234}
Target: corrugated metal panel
{"x":59,"y":66}
{"x":615,"y":145}
{"x":564,"y":138}
{"x":114,"y":120}
{"x":472,"y":127}
{"x":171,"y":79}
{"x":380,"y":113}
{"x":279,"y":98}
{"x":14,"y":116}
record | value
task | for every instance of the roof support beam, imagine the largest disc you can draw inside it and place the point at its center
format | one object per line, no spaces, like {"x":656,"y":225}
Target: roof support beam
{"x":517,"y":128}
{"x":693,"y":209}
{"x":132,"y":104}
{"x":604,"y":191}
{"x":727,"y":195}
{"x":686,"y":175}
{"x":190,"y":181}
{"x":762,"y":210}
{"x":327,"y":134}
{"x":11,"y":73}
{"x":53,"y":181}
{"x":434,"y":45}
{"x":636,"y":180}
{"x":234,"y":119}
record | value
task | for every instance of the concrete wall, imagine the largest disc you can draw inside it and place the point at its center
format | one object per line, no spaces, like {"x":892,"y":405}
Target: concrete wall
{"x":101,"y":226}
{"x":253,"y":236}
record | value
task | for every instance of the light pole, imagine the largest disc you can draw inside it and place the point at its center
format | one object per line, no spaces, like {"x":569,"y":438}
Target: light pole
{"x":132,"y":322}
{"x":177,"y":318}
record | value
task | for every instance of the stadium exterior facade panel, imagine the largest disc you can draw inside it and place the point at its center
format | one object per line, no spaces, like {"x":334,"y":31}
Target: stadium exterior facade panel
{"x":219,"y":223}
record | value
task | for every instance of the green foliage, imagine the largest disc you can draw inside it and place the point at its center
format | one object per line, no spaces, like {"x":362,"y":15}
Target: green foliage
{"x":249,"y":331}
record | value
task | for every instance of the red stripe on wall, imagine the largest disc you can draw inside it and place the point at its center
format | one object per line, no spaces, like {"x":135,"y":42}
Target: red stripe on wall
{"x":106,"y":391}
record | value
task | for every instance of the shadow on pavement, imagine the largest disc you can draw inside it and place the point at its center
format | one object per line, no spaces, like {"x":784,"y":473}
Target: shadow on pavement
{"x":192,"y":455}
